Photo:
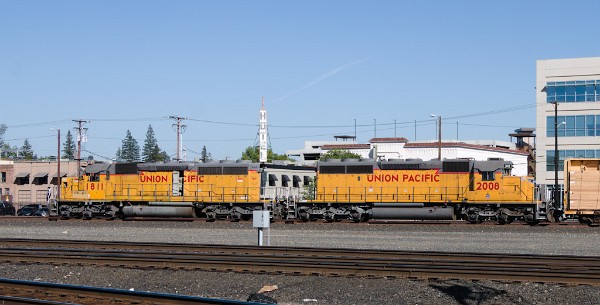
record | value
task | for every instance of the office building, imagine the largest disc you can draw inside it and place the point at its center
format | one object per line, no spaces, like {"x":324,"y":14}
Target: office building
{"x":573,"y":86}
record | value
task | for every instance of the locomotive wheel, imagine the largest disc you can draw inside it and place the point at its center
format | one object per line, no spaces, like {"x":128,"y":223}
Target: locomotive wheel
{"x":474,"y":218}
{"x":355,"y":216}
{"x":329,"y":217}
{"x":303,"y":216}
{"x":503,"y":218}
{"x":585,"y":220}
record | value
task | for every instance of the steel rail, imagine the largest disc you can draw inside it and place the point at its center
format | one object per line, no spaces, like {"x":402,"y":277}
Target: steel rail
{"x":578,"y":270}
{"x":301,"y":251}
{"x":28,"y":292}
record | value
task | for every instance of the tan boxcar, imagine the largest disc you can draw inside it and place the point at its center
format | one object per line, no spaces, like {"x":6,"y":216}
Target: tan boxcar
{"x":582,"y":189}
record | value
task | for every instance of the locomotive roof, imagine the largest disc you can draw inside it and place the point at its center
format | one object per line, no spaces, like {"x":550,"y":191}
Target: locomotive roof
{"x":168,"y":166}
{"x":448,"y":165}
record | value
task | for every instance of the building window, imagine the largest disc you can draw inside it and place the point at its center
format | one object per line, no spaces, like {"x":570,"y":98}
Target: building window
{"x":574,"y":126}
{"x":571,"y":153}
{"x":3,"y":177}
{"x":573,"y":91}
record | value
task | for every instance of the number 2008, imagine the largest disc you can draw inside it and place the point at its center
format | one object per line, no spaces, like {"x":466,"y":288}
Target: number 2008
{"x":488,"y":186}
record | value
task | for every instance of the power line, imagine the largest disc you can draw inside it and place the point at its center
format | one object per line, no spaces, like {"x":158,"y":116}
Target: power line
{"x":97,"y":155}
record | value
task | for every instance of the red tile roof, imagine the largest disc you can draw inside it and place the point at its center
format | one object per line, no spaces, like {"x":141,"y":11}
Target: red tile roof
{"x":388,"y":140}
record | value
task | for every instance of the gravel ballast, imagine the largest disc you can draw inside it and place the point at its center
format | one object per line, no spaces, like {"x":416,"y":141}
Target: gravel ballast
{"x":555,"y":240}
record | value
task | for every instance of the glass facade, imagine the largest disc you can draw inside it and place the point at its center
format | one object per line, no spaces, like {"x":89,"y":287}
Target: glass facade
{"x":573,"y":91}
{"x":574,"y":126}
{"x":564,"y":154}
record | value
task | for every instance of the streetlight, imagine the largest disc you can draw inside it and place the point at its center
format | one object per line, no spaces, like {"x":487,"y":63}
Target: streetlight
{"x":439,"y":132}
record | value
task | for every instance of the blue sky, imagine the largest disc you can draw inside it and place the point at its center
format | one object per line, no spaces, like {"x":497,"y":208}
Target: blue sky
{"x":320,"y":65}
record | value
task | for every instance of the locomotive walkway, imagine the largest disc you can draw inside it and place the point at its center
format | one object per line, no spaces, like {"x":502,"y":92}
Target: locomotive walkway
{"x":307,"y":261}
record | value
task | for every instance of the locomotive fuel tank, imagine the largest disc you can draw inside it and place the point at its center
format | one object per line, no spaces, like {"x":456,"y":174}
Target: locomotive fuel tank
{"x":158,"y":211}
{"x":411,"y":211}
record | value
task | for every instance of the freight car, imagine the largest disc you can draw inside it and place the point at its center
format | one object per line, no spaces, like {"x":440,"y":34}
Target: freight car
{"x":358,"y":190}
{"x":581,"y":199}
{"x":215,"y":190}
{"x":415,"y":189}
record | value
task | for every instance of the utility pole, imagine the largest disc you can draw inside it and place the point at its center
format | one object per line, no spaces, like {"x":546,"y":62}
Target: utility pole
{"x":557,"y":202}
{"x":81,"y":137}
{"x":180,"y":129}
{"x":415,"y":130}
{"x":439,"y":134}
{"x":440,"y":138}
{"x":374,"y":128}
{"x":58,"y":169}
{"x":354,"y":130}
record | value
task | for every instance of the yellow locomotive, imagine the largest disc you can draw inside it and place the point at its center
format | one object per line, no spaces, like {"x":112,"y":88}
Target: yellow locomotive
{"x":416,"y":189}
{"x":358,"y":190}
{"x":188,"y":189}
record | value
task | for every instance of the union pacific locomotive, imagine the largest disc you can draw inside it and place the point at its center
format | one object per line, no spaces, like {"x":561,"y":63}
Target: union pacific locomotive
{"x":215,"y":190}
{"x":334,"y":190}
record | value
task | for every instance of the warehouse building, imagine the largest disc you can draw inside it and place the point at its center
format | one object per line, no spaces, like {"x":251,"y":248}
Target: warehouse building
{"x":27,"y":182}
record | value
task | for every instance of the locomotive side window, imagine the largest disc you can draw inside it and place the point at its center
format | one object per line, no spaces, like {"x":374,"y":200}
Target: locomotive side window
{"x":94,"y":177}
{"x":488,"y":176}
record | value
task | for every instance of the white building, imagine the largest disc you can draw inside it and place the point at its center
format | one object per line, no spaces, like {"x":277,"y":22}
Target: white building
{"x":574,"y":84}
{"x":399,"y":148}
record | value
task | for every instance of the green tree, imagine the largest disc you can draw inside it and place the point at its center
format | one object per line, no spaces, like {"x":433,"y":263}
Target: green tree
{"x":69,"y":147}
{"x":130,"y":150}
{"x":205,"y":155}
{"x":339,"y":154}
{"x":151,"y":151}
{"x":309,"y":190}
{"x":26,"y":152}
{"x":164,"y":157}
{"x":5,"y":149}
{"x":8,"y":152}
{"x":253,"y":153}
{"x":2,"y":131}
{"x":118,"y":154}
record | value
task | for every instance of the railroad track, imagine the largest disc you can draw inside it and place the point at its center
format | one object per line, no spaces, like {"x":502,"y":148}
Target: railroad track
{"x":27,"y":292}
{"x":568,"y":223}
{"x":308,"y":261}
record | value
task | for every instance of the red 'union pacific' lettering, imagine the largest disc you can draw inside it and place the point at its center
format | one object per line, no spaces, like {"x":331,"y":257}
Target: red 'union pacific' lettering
{"x":194,"y":179}
{"x":421,"y":178}
{"x":382,"y":178}
{"x":153,"y":179}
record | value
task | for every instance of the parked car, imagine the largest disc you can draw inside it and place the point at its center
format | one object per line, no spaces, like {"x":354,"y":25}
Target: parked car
{"x":43,"y":212}
{"x":7,"y":209}
{"x":30,"y":209}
